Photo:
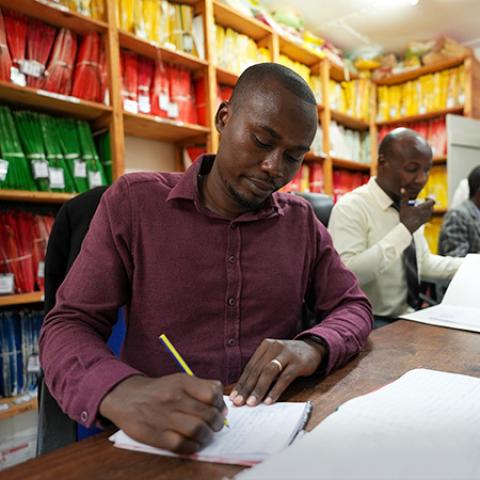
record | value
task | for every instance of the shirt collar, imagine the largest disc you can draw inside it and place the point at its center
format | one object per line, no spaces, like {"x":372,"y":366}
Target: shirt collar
{"x":187,"y":188}
{"x":379,"y":194}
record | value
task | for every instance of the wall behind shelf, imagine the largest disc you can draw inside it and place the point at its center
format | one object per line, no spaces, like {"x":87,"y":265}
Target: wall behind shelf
{"x":148,"y":155}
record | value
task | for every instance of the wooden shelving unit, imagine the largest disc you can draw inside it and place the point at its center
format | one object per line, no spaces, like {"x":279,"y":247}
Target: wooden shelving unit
{"x":21,"y":299}
{"x":228,"y":17}
{"x":348,"y":121}
{"x":16,"y":408}
{"x":34,"y":197}
{"x":55,"y":103}
{"x":158,"y":128}
{"x":440,"y":160}
{"x":418,"y":72}
{"x":148,"y":49}
{"x":422,"y":116}
{"x":350,"y":165}
{"x":225,"y":77}
{"x":56,"y":14}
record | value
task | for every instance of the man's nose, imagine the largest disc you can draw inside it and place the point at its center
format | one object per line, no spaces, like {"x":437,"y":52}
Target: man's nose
{"x":273,"y":164}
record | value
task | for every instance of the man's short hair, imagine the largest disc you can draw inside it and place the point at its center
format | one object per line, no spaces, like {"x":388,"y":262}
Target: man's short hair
{"x":474,"y":181}
{"x":388,"y":146}
{"x":260,"y":73}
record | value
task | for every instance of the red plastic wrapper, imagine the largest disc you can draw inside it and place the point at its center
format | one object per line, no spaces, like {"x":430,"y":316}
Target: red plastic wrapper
{"x":5,"y":58}
{"x":40,"y":38}
{"x":87,"y":82}
{"x":129,"y":64}
{"x":16,"y":250}
{"x":160,"y":91}
{"x":16,"y":30}
{"x":181,"y":95}
{"x":58,"y":76}
{"x":145,"y":80}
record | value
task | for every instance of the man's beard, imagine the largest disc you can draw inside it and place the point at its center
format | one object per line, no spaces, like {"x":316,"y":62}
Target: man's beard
{"x":249,"y":204}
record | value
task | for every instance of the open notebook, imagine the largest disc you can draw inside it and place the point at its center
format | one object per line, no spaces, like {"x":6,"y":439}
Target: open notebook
{"x":460,"y":307}
{"x":423,"y":426}
{"x":254,"y":433}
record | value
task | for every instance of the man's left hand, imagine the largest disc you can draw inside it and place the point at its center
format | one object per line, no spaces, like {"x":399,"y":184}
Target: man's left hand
{"x":273,"y":366}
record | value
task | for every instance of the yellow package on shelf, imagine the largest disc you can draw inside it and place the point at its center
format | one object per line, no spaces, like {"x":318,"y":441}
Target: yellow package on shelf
{"x":298,"y":67}
{"x":125,"y":14}
{"x":432,"y":232}
{"x":316,"y":86}
{"x":437,"y":187}
{"x":236,"y":52}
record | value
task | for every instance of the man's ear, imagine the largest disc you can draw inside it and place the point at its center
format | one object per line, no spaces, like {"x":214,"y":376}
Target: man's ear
{"x":222,"y":116}
{"x":381,"y":161}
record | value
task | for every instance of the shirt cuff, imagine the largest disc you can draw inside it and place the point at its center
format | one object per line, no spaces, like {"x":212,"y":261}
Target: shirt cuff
{"x":322,"y":368}
{"x":94,"y":386}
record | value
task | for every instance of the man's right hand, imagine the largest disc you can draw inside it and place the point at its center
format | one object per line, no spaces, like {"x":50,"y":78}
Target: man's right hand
{"x":413,"y":217}
{"x":176,"y":412}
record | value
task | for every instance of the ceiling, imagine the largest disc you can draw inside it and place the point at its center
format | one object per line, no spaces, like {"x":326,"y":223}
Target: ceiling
{"x":391,"y":24}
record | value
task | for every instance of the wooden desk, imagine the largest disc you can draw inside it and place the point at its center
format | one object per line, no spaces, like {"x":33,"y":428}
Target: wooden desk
{"x":390,"y":352}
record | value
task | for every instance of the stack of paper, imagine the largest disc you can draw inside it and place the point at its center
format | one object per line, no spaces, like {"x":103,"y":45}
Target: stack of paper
{"x":423,"y":426}
{"x":254,"y":434}
{"x":460,"y":307}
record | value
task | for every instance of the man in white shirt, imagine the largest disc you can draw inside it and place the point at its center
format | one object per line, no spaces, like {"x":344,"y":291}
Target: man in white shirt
{"x":377,"y":228}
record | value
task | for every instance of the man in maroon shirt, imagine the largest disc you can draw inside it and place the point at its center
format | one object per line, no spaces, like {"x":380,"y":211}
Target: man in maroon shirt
{"x":222,"y":264}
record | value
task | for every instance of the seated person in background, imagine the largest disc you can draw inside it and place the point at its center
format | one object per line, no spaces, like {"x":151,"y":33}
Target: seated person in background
{"x":461,"y":194}
{"x":222,"y":264}
{"x":460,"y":232}
{"x":376,"y":228}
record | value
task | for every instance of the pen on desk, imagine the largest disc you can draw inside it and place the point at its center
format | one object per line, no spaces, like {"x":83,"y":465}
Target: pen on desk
{"x":181,"y":362}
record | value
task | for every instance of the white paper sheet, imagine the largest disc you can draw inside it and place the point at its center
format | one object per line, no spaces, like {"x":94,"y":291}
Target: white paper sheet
{"x":254,"y":433}
{"x":460,"y":307}
{"x":423,"y":426}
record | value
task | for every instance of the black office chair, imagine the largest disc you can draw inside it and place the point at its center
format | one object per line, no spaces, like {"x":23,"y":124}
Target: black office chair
{"x":322,"y":204}
{"x":55,"y":428}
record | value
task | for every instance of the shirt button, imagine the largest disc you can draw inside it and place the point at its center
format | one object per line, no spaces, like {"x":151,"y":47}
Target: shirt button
{"x":231,"y":301}
{"x":84,"y":416}
{"x":233,"y":226}
{"x":232,"y":258}
{"x":231,"y":342}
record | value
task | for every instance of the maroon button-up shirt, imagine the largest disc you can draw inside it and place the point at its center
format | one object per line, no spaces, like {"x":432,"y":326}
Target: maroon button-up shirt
{"x":216,"y":287}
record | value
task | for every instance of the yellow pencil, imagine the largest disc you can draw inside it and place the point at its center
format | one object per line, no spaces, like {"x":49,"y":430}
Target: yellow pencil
{"x":180,"y":361}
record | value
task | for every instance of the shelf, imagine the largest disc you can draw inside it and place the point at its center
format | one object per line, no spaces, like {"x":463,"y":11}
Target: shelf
{"x":229,"y":17}
{"x":51,"y":102}
{"x":423,"y":116}
{"x":225,"y":77}
{"x":17,"y":408}
{"x":418,"y":72}
{"x":350,"y":165}
{"x":313,"y":157}
{"x":348,"y":121}
{"x":158,"y":128}
{"x":56,"y":14}
{"x":154,"y":51}
{"x":21,"y":299}
{"x":35,"y":197}
{"x":440,"y":160}
{"x":298,"y":53}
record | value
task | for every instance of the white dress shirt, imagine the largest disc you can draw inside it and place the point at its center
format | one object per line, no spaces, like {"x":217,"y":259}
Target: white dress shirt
{"x":368,"y":235}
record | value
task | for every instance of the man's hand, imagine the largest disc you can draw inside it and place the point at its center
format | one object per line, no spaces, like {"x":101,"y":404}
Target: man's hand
{"x":176,"y":412}
{"x":273,"y":366}
{"x":413,"y":217}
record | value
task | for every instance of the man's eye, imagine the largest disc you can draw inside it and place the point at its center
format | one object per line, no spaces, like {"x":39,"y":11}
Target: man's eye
{"x":261,"y":144}
{"x":293,"y":159}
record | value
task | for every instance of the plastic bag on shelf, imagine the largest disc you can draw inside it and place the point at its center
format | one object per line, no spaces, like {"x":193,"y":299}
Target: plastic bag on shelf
{"x":87,"y":74}
{"x":59,"y":73}
{"x":40,"y":38}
